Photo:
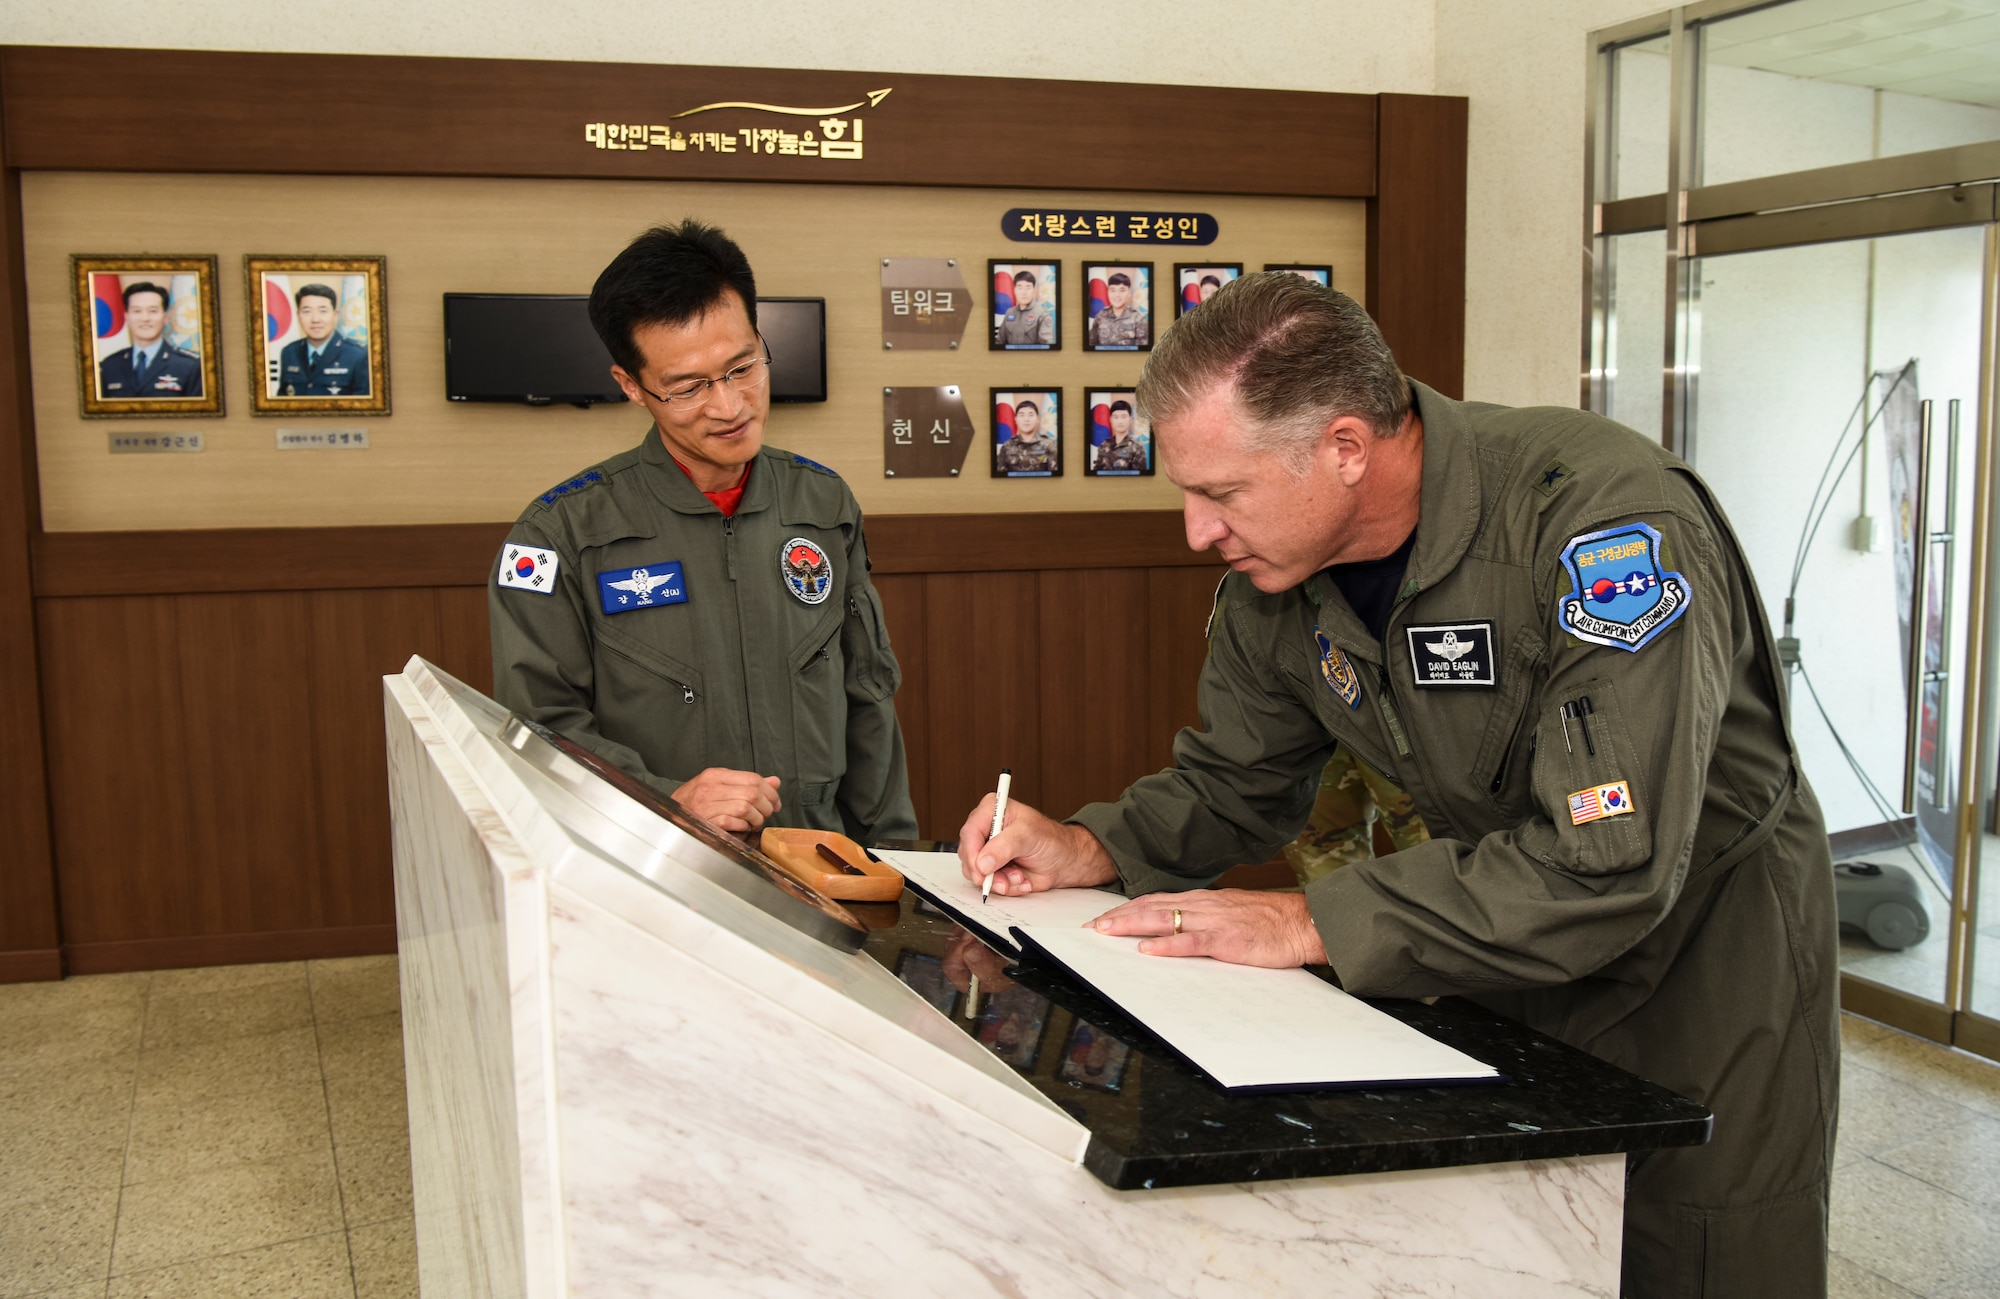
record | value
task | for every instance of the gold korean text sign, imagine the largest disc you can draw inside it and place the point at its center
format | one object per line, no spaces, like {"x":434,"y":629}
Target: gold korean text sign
{"x":147,"y":339}
{"x":834,"y":133}
{"x":926,"y":432}
{"x":925,"y":303}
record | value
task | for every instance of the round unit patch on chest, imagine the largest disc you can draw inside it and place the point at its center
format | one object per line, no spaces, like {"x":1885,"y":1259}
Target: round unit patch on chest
{"x":808,"y":572}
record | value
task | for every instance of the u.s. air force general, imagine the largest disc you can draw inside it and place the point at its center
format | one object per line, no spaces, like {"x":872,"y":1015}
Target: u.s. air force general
{"x":1541,"y":625}
{"x":697,"y":610}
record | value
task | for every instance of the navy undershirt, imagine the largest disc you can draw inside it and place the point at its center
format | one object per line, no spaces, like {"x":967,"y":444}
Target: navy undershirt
{"x":1371,"y":585}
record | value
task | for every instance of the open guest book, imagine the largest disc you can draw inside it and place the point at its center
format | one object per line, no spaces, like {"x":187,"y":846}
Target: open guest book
{"x":1247,"y":1028}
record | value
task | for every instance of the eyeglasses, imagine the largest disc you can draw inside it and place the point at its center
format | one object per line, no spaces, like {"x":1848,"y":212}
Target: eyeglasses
{"x":747,"y":377}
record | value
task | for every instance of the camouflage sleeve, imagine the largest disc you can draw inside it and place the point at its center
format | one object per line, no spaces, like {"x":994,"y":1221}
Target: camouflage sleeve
{"x":542,"y":663}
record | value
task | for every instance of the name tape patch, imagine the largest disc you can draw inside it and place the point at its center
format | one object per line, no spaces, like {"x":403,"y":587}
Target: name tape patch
{"x":1619,"y":595}
{"x":528,"y":568}
{"x":1453,"y":654}
{"x":1338,"y":670}
{"x":624,"y":589}
{"x":1599,"y":801}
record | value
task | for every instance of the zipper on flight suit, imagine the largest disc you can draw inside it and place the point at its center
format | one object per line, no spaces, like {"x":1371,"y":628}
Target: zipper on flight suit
{"x":1389,"y":716}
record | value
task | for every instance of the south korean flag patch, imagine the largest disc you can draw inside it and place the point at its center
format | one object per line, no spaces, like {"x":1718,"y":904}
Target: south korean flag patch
{"x":528,"y":568}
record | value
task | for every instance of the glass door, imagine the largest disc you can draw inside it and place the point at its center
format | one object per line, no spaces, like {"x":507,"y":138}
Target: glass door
{"x":1837,"y":419}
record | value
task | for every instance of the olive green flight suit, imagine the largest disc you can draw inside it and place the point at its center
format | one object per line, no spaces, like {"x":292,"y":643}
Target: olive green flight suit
{"x":744,"y":672}
{"x":1690,"y":940}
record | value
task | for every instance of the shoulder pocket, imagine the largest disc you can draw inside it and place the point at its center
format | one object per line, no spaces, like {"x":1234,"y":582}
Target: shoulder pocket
{"x":864,"y":637}
{"x":1588,"y":781}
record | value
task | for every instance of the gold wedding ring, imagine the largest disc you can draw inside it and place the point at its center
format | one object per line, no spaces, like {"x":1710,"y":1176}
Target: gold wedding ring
{"x":1177,"y":920}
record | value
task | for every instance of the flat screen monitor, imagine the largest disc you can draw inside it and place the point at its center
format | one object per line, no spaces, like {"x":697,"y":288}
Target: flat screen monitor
{"x":539,"y":349}
{"x":796,"y":330}
{"x":535,"y":348}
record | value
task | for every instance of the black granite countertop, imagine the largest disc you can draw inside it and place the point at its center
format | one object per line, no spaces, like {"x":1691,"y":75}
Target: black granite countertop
{"x":1155,"y":1120}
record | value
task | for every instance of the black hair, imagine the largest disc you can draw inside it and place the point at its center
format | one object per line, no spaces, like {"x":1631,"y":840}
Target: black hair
{"x":1029,"y":276}
{"x":146,"y":286}
{"x":1210,"y":279}
{"x":315,"y":291}
{"x":1117,"y":406}
{"x":668,"y":276}
{"x":1028,"y":403}
{"x":1120,"y":277}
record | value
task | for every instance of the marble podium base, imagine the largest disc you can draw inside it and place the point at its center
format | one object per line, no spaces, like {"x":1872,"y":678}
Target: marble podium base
{"x":625,"y":1081}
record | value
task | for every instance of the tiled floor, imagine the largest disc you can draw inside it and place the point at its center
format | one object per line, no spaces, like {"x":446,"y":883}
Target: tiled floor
{"x":206,"y":1133}
{"x":199,"y":1134}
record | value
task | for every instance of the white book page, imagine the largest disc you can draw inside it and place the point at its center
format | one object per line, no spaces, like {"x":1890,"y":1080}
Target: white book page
{"x":938,"y":877}
{"x":1250,"y":1027}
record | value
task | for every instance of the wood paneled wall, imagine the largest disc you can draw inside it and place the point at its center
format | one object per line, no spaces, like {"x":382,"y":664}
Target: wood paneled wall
{"x":197,"y":714}
{"x":217,"y":755}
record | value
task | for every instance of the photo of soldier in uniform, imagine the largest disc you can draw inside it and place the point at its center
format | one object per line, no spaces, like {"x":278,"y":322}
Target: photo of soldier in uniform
{"x":1010,"y":1025}
{"x":1318,"y":274}
{"x":1200,"y":283}
{"x":1121,"y":444}
{"x":1093,"y":1058}
{"x":1027,"y":432}
{"x":1026,"y":306}
{"x":146,"y":336}
{"x":1118,"y":308}
{"x":317,"y":335}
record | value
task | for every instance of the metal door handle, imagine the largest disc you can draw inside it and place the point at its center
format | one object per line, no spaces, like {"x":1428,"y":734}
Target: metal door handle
{"x":1920,"y":565}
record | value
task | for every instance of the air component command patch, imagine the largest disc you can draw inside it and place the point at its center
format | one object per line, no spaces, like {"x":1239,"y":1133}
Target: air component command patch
{"x":1619,"y":595}
{"x":528,"y":568}
{"x":808,"y":572}
{"x":1338,"y":670}
{"x":1599,"y":801}
{"x":621,"y":590}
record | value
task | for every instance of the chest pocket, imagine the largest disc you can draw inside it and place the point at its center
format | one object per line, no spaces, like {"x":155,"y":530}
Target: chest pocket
{"x":1507,"y":748}
{"x":819,"y":698}
{"x":650,"y":661}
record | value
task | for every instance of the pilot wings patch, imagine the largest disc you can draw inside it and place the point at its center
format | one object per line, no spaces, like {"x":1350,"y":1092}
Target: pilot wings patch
{"x":622,"y":590}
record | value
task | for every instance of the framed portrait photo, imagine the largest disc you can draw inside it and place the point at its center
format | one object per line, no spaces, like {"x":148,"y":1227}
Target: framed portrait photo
{"x":1121,"y":444}
{"x":925,"y":973}
{"x":1027,"y":433}
{"x":147,"y":341}
{"x":1318,"y":274}
{"x":1010,"y":1025}
{"x":1093,"y":1058}
{"x":1197,"y":284}
{"x":1118,"y":307}
{"x":319,"y":335}
{"x":1027,"y":306}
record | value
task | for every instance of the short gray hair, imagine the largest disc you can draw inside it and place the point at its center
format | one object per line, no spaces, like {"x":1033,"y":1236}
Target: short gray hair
{"x":1299,"y":354}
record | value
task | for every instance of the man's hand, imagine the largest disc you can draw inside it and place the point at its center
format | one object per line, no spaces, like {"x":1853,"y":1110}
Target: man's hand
{"x":1241,"y":926}
{"x":966,"y":959}
{"x":1031,"y":853}
{"x":736,"y":801}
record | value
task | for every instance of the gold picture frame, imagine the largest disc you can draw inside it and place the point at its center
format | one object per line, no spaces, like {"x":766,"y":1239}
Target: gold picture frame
{"x":174,"y":330}
{"x":295,"y":370}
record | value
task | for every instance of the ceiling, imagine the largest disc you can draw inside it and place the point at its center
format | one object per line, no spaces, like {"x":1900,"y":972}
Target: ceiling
{"x":1940,"y":49}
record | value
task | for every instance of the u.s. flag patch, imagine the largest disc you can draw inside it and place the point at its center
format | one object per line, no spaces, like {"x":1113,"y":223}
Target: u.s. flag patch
{"x":528,"y":568}
{"x":1599,"y":801}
